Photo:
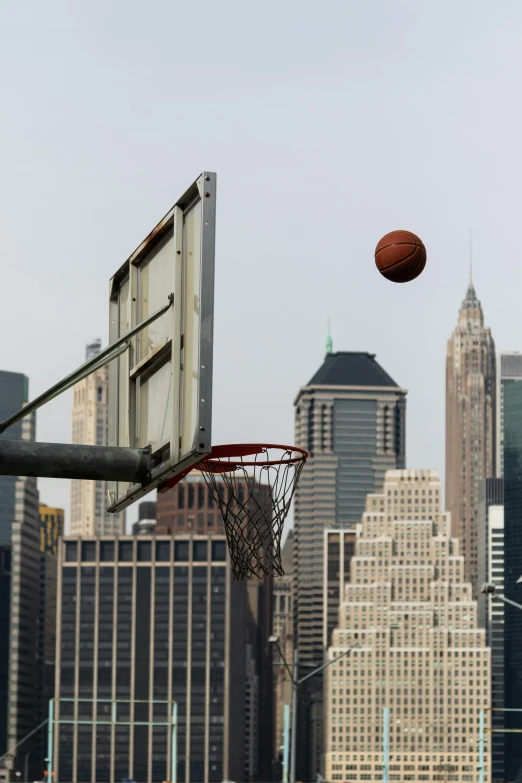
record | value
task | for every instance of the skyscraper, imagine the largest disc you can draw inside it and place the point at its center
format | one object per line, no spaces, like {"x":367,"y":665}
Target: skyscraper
{"x":419,"y":651}
{"x":509,"y":367}
{"x":142,"y":618}
{"x":52,"y":522}
{"x":491,"y":613}
{"x":90,"y":427}
{"x":512,"y":430}
{"x":19,"y":590}
{"x":351,"y":417}
{"x":470,"y":424}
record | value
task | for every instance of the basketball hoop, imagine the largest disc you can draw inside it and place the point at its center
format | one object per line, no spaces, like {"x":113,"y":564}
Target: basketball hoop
{"x":254,"y":497}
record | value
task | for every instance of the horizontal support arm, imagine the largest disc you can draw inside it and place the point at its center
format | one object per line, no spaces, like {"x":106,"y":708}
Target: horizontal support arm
{"x":72,"y":461}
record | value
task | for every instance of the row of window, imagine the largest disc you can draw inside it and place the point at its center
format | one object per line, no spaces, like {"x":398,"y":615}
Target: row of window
{"x":124,"y":551}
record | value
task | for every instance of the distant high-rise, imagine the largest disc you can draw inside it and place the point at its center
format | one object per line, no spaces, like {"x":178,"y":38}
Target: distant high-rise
{"x":351,"y":417}
{"x":146,"y":524}
{"x":19,"y":591}
{"x":51,"y":528}
{"x":470,"y":424}
{"x":283,"y":629}
{"x":152,"y":617}
{"x":491,"y":612}
{"x":512,"y":430}
{"x":509,"y":368}
{"x":419,"y":651}
{"x":90,"y":424}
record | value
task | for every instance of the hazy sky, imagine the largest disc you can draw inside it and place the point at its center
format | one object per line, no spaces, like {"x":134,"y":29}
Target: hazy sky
{"x":328,"y":124}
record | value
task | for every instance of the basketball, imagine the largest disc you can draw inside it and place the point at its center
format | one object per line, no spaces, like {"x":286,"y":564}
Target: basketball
{"x":400,"y":256}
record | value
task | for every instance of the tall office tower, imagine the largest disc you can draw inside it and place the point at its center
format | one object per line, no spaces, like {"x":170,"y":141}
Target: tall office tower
{"x":420,"y":652}
{"x":51,"y":528}
{"x":509,"y":367}
{"x":339,"y":548}
{"x":19,"y":594}
{"x":151,"y":617}
{"x":283,"y":629}
{"x":190,"y":506}
{"x":146,"y":524}
{"x":470,"y":424}
{"x":90,"y":424}
{"x":351,"y":417}
{"x":512,"y":430}
{"x":491,"y":613}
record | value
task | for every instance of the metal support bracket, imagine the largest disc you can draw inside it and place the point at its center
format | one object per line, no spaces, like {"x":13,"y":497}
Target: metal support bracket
{"x":101,"y":359}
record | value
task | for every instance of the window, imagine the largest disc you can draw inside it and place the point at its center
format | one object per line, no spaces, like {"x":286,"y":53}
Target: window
{"x":71,"y":552}
{"x":88,"y":551}
{"x":106,"y":551}
{"x":219,"y":550}
{"x":126,"y":551}
{"x":200,"y":550}
{"x":181,"y":551}
{"x":144,"y":551}
{"x":163,"y":551}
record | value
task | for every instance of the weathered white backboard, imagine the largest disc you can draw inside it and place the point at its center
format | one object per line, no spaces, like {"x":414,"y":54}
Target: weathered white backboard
{"x":160,"y":389}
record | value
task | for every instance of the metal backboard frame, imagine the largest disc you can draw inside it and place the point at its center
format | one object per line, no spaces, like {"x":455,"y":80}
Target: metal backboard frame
{"x":160,"y":390}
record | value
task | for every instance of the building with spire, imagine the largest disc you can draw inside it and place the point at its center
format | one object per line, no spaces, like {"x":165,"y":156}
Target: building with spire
{"x":470,"y":424}
{"x":351,"y":417}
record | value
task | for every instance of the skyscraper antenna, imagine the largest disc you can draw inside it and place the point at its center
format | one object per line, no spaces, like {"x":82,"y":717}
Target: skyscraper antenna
{"x":329,"y":343}
{"x":471,"y":256}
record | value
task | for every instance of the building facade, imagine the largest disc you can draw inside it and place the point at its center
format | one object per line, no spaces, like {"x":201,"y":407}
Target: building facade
{"x":188,"y":506}
{"x":491,"y":613}
{"x":143,"y":618}
{"x":146,"y":524}
{"x":351,"y":417}
{"x":283,"y":629}
{"x":19,"y":595}
{"x":417,"y":650}
{"x":339,"y":548}
{"x":470,"y":424}
{"x":52,"y":522}
{"x":512,"y":430}
{"x":90,"y":426}
{"x":509,"y":367}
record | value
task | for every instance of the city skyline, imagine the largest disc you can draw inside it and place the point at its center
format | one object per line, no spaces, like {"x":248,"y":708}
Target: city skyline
{"x":426,"y":179}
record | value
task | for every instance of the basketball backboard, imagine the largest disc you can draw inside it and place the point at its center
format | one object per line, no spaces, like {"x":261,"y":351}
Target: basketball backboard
{"x":160,"y":389}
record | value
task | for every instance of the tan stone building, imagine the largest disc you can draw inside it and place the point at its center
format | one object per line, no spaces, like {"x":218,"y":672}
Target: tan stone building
{"x":90,"y":423}
{"x":420,"y":653}
{"x":470,"y":424}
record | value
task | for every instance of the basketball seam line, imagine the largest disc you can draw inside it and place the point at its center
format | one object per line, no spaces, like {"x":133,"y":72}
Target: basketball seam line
{"x":396,"y":263}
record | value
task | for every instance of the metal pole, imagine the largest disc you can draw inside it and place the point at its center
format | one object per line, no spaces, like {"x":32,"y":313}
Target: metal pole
{"x":174,"y":745}
{"x":26,"y":768}
{"x":73,"y":461}
{"x":50,"y":727}
{"x":481,"y":747}
{"x":286,"y":737}
{"x":385,"y":744}
{"x":293,"y":750}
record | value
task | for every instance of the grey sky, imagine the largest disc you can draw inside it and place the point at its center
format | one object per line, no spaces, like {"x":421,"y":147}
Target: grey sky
{"x":328,"y":124}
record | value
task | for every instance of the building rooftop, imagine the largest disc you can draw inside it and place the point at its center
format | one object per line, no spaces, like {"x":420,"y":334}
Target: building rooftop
{"x":346,"y":368}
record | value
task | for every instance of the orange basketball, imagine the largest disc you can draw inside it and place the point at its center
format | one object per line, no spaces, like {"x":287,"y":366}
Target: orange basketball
{"x":400,"y":256}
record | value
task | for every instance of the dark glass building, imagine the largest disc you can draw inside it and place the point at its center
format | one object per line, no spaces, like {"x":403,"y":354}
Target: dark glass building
{"x":512,"y":413}
{"x":20,"y":702}
{"x":151,"y":618}
{"x":490,"y":569}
